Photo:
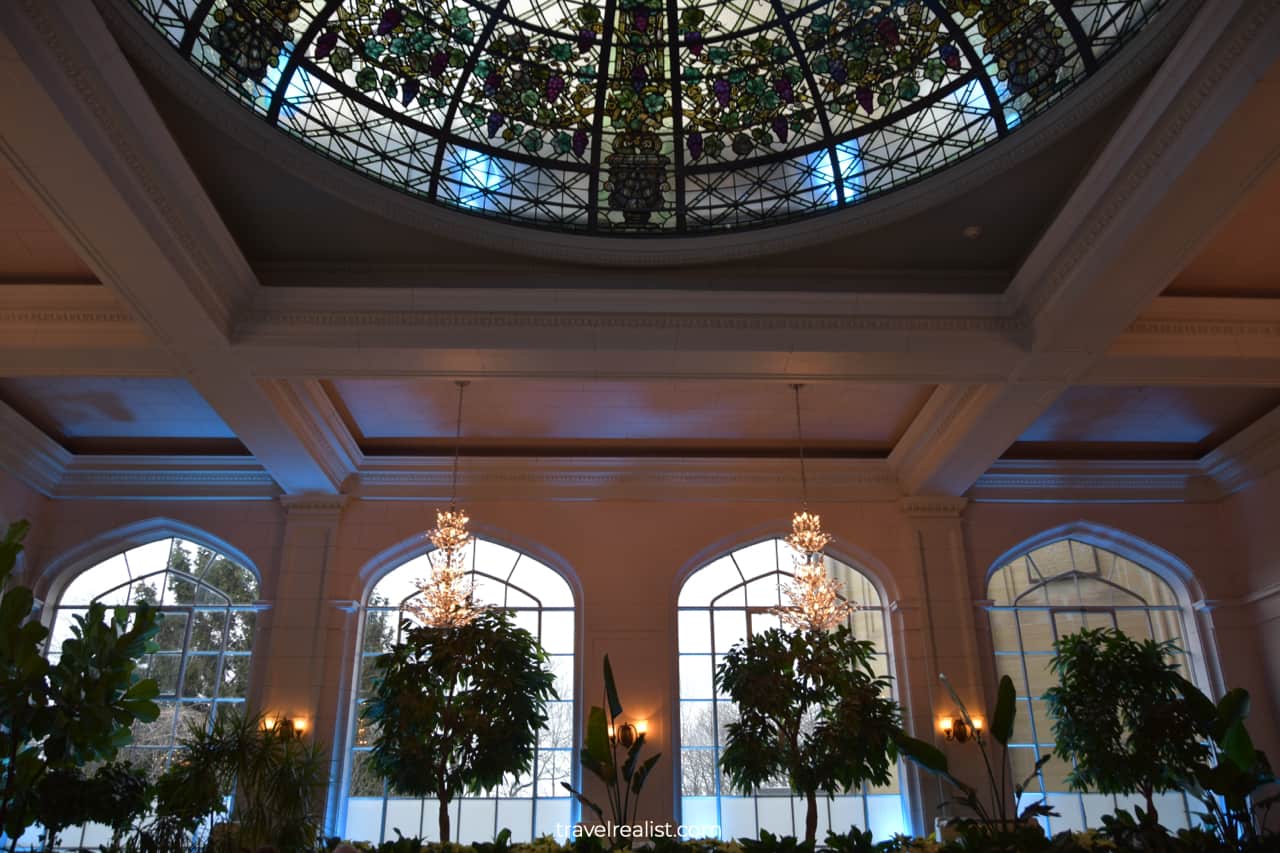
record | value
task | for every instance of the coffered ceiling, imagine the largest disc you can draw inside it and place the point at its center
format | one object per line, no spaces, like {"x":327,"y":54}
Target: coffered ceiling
{"x":260,"y":330}
{"x":31,"y":249}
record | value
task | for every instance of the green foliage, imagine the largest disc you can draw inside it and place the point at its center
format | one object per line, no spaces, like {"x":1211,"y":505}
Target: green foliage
{"x":998,"y":815}
{"x":1121,"y":716}
{"x":857,"y":841}
{"x":116,"y":795}
{"x":811,"y":710}
{"x":770,"y":843}
{"x":1227,"y":786}
{"x":623,"y":779}
{"x":458,"y":708}
{"x":277,"y":778}
{"x":64,"y":715}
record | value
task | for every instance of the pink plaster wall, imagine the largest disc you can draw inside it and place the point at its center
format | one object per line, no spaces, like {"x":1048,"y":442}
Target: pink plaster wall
{"x":627,"y":558}
{"x":1255,"y":516}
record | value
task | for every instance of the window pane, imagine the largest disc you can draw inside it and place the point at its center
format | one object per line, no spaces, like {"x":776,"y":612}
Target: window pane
{"x":695,"y":630}
{"x":1088,"y":587}
{"x":708,"y":582}
{"x":696,"y":677}
{"x":194,"y":589}
{"x":543,"y":605}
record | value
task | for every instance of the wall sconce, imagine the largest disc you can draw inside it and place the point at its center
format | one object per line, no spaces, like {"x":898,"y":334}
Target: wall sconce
{"x":286,"y":726}
{"x":628,"y":733}
{"x":956,"y":729}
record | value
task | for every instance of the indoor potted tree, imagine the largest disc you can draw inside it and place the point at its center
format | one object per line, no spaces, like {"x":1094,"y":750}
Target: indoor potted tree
{"x":810,"y":709}
{"x":1121,"y":716}
{"x":458,"y":707}
{"x":60,"y":716}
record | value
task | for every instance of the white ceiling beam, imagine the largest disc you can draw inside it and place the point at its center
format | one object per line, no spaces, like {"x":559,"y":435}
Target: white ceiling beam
{"x":78,"y":330}
{"x":57,"y":329}
{"x":1194,"y":145}
{"x":81,"y":135}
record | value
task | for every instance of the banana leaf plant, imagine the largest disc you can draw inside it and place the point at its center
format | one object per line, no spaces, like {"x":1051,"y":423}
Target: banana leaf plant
{"x":1227,"y":787}
{"x":623,"y":775}
{"x":998,"y":813}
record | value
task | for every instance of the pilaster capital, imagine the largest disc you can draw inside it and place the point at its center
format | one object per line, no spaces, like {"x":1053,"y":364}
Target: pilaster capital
{"x":314,"y":508}
{"x":934,"y":507}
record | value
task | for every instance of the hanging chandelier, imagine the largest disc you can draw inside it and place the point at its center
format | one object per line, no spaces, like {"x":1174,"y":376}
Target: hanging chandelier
{"x":447,"y":598}
{"x":814,"y":600}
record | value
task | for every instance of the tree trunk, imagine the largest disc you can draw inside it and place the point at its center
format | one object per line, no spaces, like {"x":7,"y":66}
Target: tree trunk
{"x":811,"y":817}
{"x":444,"y":821}
{"x":1152,"y":817}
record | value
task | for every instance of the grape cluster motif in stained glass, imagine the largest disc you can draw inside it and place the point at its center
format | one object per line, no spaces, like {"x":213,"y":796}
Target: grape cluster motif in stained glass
{"x":648,"y":117}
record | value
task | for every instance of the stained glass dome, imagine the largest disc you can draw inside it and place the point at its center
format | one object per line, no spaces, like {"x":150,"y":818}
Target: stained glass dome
{"x":648,"y":117}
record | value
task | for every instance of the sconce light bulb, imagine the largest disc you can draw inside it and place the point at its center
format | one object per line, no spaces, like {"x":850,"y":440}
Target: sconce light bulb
{"x":642,"y":726}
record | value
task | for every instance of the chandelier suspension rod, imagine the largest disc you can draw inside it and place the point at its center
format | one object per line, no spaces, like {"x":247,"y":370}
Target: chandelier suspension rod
{"x":457,"y":445}
{"x":804,"y":479}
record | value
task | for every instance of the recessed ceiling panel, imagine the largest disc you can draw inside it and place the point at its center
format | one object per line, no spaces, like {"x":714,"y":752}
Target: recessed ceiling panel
{"x":393,"y":415}
{"x":31,"y":251}
{"x":1161,"y":421}
{"x":104,"y":414}
{"x":1242,"y":258}
{"x":648,"y":118}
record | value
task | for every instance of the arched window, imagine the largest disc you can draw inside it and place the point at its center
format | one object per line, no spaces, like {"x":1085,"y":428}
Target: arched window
{"x":207,"y":601}
{"x":1055,"y":590}
{"x":530,"y":805}
{"x":720,"y":605}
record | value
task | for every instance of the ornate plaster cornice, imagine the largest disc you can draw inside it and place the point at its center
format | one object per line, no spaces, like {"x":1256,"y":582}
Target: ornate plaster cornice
{"x":1089,"y":481}
{"x":1250,"y":455}
{"x":619,"y":478}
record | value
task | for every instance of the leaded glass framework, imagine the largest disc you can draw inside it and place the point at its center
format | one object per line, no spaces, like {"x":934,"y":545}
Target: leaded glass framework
{"x":643,"y":117}
{"x":720,"y":605}
{"x":1059,"y":589}
{"x":539,"y":600}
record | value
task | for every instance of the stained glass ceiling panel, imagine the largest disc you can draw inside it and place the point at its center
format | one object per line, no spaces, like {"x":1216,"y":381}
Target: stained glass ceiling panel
{"x":647,"y":117}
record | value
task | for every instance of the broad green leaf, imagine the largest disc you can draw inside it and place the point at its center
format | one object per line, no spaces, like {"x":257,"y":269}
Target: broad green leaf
{"x":598,"y":739}
{"x":15,"y":607}
{"x":1238,"y":746}
{"x":1006,"y":710}
{"x":611,"y":691}
{"x":643,"y":773}
{"x":924,"y":754}
{"x":1233,"y":707}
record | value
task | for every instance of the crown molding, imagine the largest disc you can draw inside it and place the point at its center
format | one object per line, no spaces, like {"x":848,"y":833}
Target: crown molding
{"x":618,"y":478}
{"x":1249,"y":455}
{"x":30,"y":455}
{"x":477,"y":284}
{"x":204,"y":478}
{"x":1090,"y":481}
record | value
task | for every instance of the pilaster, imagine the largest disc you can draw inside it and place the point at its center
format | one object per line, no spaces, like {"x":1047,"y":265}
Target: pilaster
{"x":303,"y":634}
{"x":945,"y":642}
